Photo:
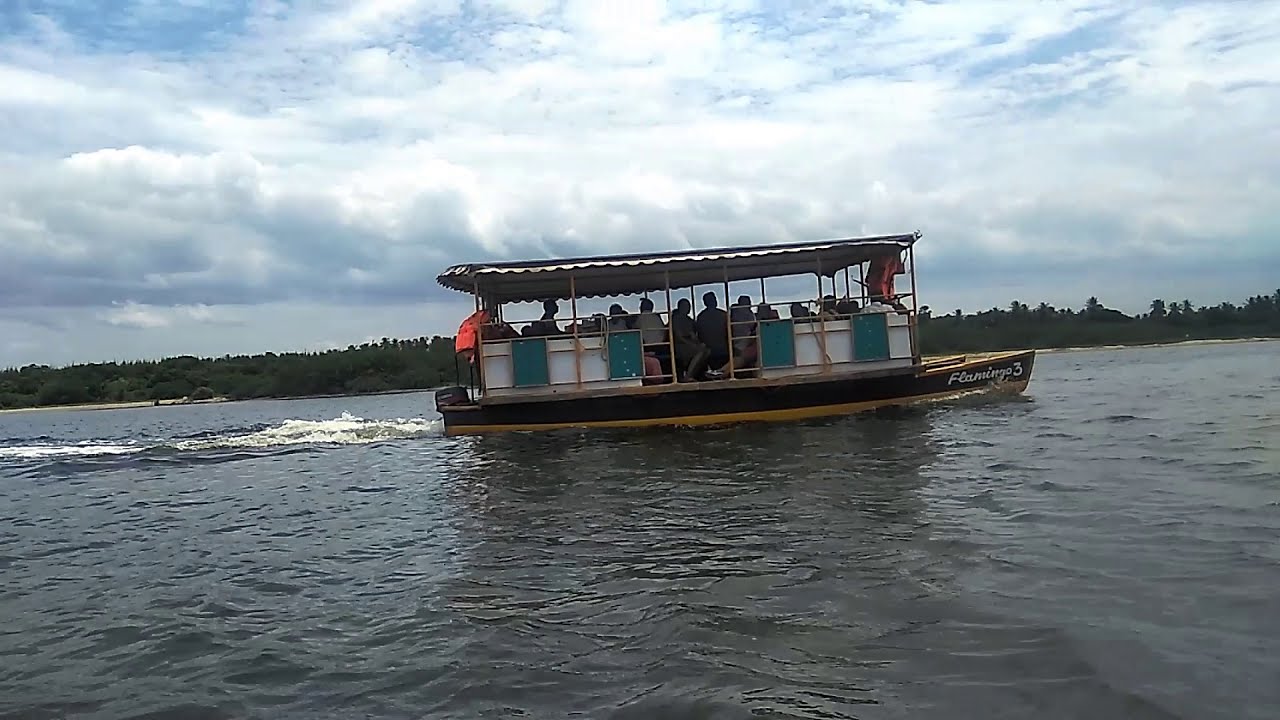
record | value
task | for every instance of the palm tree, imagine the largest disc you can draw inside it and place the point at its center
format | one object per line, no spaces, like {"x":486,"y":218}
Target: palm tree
{"x":1157,"y":309}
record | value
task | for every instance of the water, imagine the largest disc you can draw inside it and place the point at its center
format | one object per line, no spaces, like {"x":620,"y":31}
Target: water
{"x":1105,"y":547}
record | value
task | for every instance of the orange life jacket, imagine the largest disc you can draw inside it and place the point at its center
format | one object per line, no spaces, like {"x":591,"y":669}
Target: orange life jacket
{"x":880,"y":275}
{"x":469,"y":333}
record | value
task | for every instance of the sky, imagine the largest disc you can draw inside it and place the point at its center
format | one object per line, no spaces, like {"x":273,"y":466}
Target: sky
{"x":227,"y":176}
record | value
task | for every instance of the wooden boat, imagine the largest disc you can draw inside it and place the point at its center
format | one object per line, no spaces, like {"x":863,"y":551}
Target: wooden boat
{"x":857,"y":353}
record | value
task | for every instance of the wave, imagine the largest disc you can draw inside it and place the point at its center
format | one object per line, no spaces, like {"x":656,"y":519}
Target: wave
{"x":347,"y":429}
{"x":50,"y":451}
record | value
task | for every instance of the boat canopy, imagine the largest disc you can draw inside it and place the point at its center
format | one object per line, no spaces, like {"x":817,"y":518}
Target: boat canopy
{"x":606,"y":275}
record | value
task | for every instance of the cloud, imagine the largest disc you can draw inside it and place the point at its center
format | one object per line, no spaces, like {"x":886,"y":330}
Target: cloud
{"x":336,"y":155}
{"x":145,"y":317}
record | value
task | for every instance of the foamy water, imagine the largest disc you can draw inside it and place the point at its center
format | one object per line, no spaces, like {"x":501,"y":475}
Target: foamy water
{"x":346,"y":429}
{"x":86,"y":449}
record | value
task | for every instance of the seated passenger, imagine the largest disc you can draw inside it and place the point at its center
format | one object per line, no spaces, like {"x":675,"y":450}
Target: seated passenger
{"x":827,"y":307}
{"x":498,"y":330}
{"x":800,"y":312}
{"x":847,"y":306}
{"x":691,"y":354}
{"x":742,"y":323}
{"x":653,"y":332}
{"x":766,"y":312}
{"x":547,"y":325}
{"x":591,"y":325}
{"x":713,"y":331}
{"x":653,"y":372}
{"x":654,"y":337}
{"x":618,"y":319}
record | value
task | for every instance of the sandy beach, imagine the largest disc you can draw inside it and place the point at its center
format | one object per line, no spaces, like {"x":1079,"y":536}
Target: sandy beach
{"x":115,"y":405}
{"x":1180,"y":343}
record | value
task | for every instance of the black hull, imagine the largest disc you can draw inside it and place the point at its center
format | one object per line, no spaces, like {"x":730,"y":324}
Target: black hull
{"x":744,"y":401}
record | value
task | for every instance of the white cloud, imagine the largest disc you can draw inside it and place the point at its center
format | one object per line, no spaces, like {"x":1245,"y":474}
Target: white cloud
{"x":325,"y":155}
{"x":145,"y":317}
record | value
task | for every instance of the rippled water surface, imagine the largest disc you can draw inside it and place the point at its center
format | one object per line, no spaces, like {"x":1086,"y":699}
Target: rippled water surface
{"x":1105,"y":547}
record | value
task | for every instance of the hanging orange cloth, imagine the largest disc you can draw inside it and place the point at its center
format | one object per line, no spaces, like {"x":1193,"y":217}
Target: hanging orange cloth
{"x":880,"y":276}
{"x":469,"y":333}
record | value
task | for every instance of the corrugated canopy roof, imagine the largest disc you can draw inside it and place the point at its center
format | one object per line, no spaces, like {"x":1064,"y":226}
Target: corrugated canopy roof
{"x":604,"y":275}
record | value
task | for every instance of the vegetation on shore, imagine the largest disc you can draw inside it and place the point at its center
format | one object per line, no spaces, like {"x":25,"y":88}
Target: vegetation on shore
{"x":422,"y":363}
{"x":1044,"y":326}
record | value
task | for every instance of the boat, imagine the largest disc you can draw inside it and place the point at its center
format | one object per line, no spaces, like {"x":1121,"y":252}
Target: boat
{"x":624,"y":369}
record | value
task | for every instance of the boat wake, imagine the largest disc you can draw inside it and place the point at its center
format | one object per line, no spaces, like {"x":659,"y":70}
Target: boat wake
{"x":345,"y":430}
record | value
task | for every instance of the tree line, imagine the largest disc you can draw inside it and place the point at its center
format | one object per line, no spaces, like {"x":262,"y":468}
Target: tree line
{"x":423,"y":363}
{"x":368,"y":368}
{"x":1094,"y":324}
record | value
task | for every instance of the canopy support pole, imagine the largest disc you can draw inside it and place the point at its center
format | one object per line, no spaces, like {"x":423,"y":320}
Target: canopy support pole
{"x":577,"y":346}
{"x":477,"y":372}
{"x":671,"y":333}
{"x":915,"y":310}
{"x":822,"y":321}
{"x":728,"y":319}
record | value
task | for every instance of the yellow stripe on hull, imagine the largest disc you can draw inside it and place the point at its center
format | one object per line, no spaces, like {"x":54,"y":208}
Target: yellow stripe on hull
{"x":800,"y":413}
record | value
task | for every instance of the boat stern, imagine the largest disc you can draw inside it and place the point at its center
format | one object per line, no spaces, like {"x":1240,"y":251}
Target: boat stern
{"x":1004,"y":372}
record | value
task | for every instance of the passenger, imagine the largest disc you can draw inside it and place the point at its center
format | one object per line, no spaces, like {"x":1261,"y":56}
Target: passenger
{"x":653,"y":372}
{"x":652,"y":330}
{"x":654,"y":337}
{"x":691,"y":353}
{"x":592,"y":325}
{"x":743,"y":324}
{"x":827,"y":307}
{"x":498,"y":330}
{"x":713,"y":330}
{"x":800,"y":312}
{"x":547,"y":325}
{"x":766,"y":312}
{"x":618,"y":319}
{"x":847,"y":306}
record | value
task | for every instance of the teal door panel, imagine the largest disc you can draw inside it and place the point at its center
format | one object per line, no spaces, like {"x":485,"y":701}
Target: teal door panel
{"x":870,"y":337}
{"x":626,"y":356}
{"x":777,"y":344}
{"x":529,"y":361}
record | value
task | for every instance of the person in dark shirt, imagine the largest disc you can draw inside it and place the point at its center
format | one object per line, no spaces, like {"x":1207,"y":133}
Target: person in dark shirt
{"x":847,"y":306}
{"x":691,"y":353}
{"x":713,"y":330}
{"x":547,"y":325}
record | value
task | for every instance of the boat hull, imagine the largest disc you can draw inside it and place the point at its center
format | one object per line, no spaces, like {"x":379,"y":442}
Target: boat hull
{"x":733,"y":402}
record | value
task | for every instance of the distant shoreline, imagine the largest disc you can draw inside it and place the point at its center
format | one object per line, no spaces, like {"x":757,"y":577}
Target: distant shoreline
{"x":1177,"y":343}
{"x":83,"y":407}
{"x":118,"y":405}
{"x":134,"y":404}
